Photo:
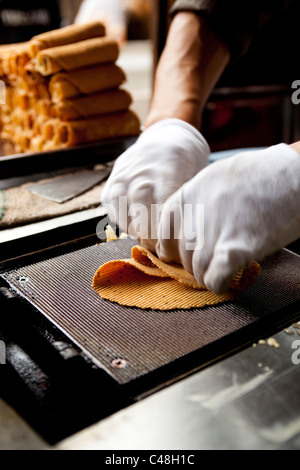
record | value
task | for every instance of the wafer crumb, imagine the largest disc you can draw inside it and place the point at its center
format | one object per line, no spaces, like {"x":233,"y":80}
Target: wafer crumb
{"x":270,"y":342}
{"x":110,"y":234}
{"x":273,"y":342}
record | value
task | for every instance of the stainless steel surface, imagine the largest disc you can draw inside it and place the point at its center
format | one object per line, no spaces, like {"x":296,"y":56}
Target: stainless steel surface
{"x":67,"y":187}
{"x":245,"y":402}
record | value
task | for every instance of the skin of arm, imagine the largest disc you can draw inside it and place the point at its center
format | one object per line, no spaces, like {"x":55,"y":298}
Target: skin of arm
{"x":296,"y":146}
{"x":191,"y":64}
{"x":189,"y":68}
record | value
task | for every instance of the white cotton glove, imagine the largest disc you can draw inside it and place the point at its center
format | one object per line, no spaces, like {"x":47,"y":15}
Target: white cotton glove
{"x":233,"y":212}
{"x":165,"y":156}
{"x":111,"y":12}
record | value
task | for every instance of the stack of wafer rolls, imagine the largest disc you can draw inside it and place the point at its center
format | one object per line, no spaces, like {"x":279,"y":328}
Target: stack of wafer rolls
{"x":64,"y":88}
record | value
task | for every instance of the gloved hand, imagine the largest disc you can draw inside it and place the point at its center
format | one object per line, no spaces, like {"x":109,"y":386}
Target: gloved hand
{"x":233,"y":212}
{"x":165,"y":156}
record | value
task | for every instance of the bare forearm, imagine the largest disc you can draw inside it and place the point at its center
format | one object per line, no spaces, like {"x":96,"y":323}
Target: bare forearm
{"x":190,"y":66}
{"x":296,"y":146}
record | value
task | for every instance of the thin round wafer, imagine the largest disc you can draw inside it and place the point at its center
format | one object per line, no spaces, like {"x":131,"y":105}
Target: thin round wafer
{"x":146,"y":282}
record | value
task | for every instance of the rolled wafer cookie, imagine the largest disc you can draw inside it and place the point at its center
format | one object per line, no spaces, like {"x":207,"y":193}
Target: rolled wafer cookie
{"x":67,"y":35}
{"x":13,"y":59}
{"x":85,"y":81}
{"x":144,"y":281}
{"x":107,"y":102}
{"x":74,"y":56}
{"x":61,"y":134}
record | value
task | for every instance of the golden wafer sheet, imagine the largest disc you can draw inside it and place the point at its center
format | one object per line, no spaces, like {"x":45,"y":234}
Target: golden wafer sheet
{"x":144,"y":281}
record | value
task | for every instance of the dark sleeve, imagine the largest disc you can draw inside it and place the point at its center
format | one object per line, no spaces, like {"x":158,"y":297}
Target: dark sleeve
{"x":235,"y":22}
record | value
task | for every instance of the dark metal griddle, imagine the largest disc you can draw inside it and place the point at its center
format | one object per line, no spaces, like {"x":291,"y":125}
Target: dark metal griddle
{"x":131,"y":343}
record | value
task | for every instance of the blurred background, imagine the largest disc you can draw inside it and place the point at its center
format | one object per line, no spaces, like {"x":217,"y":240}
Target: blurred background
{"x":251,"y":105}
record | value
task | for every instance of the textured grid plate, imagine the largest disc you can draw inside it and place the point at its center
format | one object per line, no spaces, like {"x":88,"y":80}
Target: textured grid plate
{"x":60,"y":288}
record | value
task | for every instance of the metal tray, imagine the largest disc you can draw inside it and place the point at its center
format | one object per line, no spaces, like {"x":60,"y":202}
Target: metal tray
{"x":20,"y":165}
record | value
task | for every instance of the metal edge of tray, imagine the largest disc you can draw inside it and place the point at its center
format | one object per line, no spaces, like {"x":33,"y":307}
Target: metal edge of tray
{"x":19,"y":165}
